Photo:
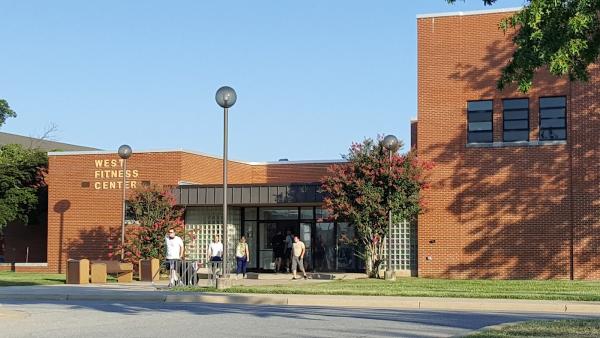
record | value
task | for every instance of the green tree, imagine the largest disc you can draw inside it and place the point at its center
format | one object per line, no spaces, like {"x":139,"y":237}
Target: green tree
{"x":562,"y":35}
{"x":5,"y":112}
{"x":21,"y":182}
{"x":154,"y":212}
{"x":363,"y":190}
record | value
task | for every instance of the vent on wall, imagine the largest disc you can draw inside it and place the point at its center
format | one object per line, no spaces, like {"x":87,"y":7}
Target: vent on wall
{"x":85,"y":184}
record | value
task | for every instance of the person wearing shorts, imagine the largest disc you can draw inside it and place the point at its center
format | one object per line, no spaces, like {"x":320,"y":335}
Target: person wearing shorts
{"x":215,"y":253}
{"x":298,"y":251}
{"x":174,"y":246}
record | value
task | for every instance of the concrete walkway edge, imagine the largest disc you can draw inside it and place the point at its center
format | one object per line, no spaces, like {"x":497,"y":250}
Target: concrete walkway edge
{"x":416,"y":303}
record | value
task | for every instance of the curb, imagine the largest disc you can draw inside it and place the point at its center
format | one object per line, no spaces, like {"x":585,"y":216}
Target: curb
{"x":432,"y":304}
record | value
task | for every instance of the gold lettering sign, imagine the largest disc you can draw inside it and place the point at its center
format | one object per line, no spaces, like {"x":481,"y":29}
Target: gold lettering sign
{"x":108,"y":176}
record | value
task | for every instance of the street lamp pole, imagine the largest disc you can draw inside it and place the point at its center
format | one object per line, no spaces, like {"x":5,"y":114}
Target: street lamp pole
{"x":390,"y":142}
{"x":225,"y":98}
{"x":124,"y":154}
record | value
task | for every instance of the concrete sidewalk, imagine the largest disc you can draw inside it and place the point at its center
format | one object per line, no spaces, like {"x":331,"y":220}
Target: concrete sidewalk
{"x":147,"y":292}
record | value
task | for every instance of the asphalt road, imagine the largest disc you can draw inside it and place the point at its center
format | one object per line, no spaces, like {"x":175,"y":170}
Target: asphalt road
{"x":146,"y":319}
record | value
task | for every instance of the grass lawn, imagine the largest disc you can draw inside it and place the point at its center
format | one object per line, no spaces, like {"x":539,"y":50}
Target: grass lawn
{"x":424,"y":287}
{"x":8,"y":278}
{"x":542,"y":328}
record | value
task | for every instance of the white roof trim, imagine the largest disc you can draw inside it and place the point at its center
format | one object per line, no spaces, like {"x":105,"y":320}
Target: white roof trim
{"x":107,"y":152}
{"x":298,"y":162}
{"x":479,"y":12}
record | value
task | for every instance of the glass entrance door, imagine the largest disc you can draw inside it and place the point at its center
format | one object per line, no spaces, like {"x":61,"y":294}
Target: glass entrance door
{"x":325,"y":247}
{"x":250,"y":232}
{"x":267,"y":232}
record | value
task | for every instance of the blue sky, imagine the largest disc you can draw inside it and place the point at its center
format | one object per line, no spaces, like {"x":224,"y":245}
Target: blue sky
{"x":312,"y":76}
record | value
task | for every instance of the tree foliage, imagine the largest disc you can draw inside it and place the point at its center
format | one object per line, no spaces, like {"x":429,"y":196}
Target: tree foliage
{"x":5,"y":112}
{"x":562,"y":35}
{"x":155,"y":212}
{"x":363,"y":190}
{"x":21,"y":181}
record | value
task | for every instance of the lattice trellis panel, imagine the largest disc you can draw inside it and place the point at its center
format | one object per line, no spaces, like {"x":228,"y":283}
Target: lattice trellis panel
{"x":202,"y":223}
{"x":404,"y":247}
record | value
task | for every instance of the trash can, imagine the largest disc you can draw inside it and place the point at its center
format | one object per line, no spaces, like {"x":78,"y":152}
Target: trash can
{"x":149,"y":270}
{"x":78,"y":271}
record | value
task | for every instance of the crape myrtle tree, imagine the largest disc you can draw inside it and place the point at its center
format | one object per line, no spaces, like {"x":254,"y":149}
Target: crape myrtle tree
{"x":561,"y":35}
{"x":363,"y":190}
{"x":154,"y":211}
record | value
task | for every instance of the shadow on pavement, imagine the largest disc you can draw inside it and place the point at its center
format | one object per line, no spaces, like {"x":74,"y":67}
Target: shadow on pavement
{"x":456,"y":319}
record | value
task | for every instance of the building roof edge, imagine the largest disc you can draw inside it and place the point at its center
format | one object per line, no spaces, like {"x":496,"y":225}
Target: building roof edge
{"x":108,"y":152}
{"x":460,"y":13}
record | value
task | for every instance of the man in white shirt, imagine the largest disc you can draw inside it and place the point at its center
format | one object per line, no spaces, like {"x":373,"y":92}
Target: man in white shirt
{"x":215,"y":252}
{"x":174,"y":246}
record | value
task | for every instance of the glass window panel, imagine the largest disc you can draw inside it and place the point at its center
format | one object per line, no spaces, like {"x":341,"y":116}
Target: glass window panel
{"x":515,"y":103}
{"x":278,"y":213}
{"x":479,"y":105}
{"x":306,"y":213}
{"x":552,"y":113}
{"x":553,"y":134}
{"x":323,"y":213}
{"x":512,"y":136}
{"x":516,"y":115}
{"x":480,"y":137}
{"x":553,"y":102}
{"x":250,"y":213}
{"x":516,"y":124}
{"x":552,"y":123}
{"x":346,"y":257}
{"x":480,"y":116}
{"x":480,"y":126}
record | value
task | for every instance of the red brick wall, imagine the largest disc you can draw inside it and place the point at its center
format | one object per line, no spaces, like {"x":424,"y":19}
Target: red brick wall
{"x":504,"y":212}
{"x":82,"y":219}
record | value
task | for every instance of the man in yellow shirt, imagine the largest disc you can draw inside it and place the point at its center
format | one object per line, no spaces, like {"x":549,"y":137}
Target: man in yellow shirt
{"x":298,"y":251}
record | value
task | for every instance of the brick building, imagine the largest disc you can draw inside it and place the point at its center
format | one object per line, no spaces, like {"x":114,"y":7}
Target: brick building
{"x":516,"y":189}
{"x":85,"y":194}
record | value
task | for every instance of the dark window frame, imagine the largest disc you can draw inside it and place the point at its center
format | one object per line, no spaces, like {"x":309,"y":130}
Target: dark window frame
{"x":480,"y":132}
{"x":504,"y":110}
{"x":552,"y":107}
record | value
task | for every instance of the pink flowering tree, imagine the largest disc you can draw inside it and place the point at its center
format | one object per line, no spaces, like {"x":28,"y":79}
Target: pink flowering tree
{"x":155,"y":212}
{"x":363,"y":190}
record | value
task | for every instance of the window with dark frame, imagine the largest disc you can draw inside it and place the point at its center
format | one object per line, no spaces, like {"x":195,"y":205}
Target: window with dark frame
{"x":515,"y":120}
{"x":479,"y":118}
{"x":553,"y":121}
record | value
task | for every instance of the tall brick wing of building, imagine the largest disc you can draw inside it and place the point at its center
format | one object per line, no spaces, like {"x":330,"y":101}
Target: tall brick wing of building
{"x":516,"y":190}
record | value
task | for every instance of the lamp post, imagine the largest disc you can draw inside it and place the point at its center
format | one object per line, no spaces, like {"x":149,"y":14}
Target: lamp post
{"x":124,"y":153}
{"x":225,"y":98}
{"x":390,"y":142}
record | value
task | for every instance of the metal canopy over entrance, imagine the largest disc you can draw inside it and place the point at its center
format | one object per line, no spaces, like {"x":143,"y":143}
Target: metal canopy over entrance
{"x":241,"y":195}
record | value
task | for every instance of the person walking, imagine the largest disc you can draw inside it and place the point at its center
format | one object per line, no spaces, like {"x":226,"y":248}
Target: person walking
{"x":242,"y":257}
{"x":298,"y":251}
{"x":174,"y":245}
{"x":215,"y":253}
